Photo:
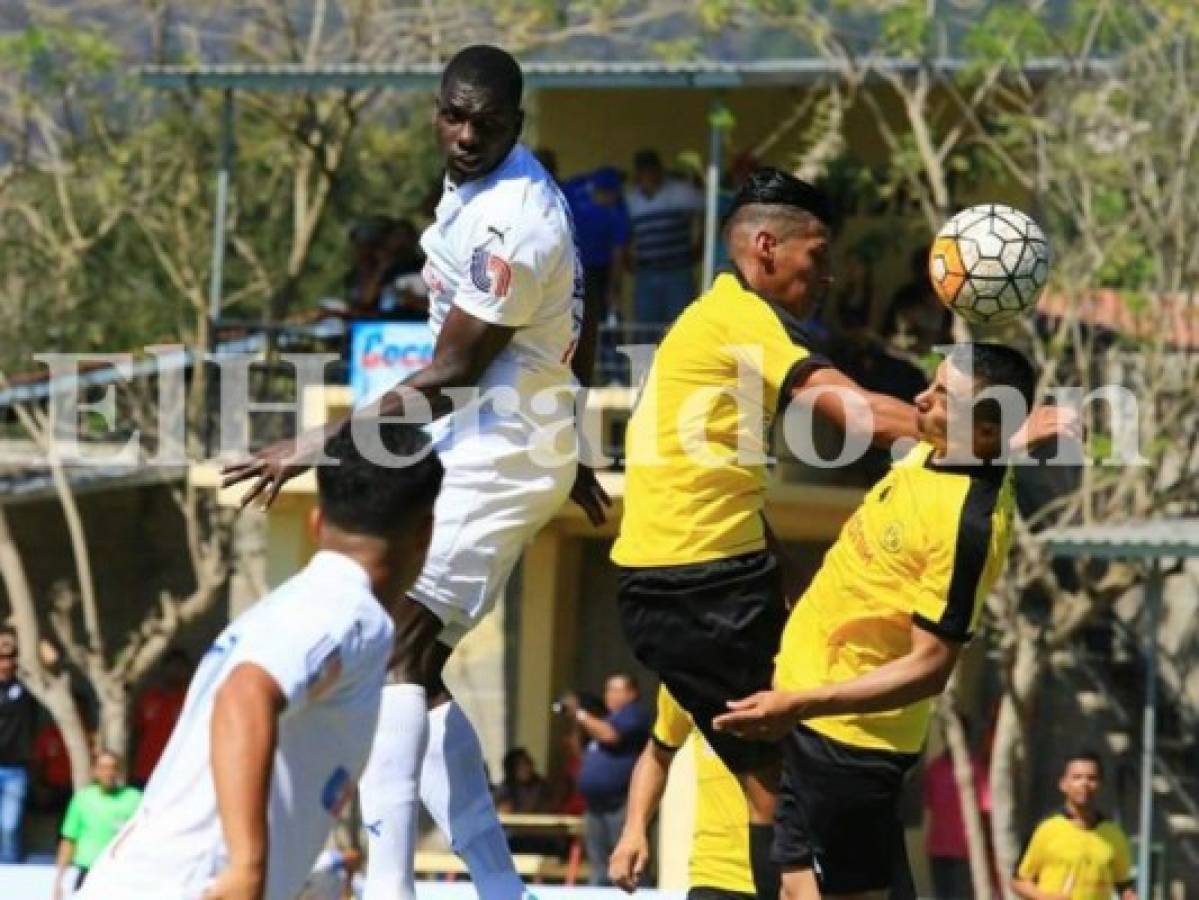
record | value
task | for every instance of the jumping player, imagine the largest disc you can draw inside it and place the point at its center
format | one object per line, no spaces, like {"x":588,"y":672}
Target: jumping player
{"x":507,"y":310}
{"x":700,"y":593}
{"x":877,"y":634}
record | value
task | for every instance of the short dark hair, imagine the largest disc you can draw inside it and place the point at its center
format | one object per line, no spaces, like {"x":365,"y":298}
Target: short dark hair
{"x":646,"y":158}
{"x":628,"y":678}
{"x":997,"y":365}
{"x":771,"y":187}
{"x":489,"y":68}
{"x":1084,"y":754}
{"x":365,"y":497}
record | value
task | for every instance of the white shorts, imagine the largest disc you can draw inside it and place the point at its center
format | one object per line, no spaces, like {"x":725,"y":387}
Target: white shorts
{"x":494,"y":499}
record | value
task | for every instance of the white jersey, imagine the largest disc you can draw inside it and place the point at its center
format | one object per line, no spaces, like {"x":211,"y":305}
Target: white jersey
{"x":325,"y":639}
{"x":502,"y":249}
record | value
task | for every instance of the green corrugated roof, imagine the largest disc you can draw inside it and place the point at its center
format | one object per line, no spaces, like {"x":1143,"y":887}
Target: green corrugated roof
{"x":1129,"y":540}
{"x":538,"y":74}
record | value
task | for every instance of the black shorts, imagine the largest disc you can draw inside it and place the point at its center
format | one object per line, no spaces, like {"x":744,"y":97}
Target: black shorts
{"x":715,"y":893}
{"x":710,"y":631}
{"x":838,"y":813}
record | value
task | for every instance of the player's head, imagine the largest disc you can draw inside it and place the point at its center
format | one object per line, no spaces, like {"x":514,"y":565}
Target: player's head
{"x":108,"y":770}
{"x":979,"y":397}
{"x":778,"y":235}
{"x":477,"y":114}
{"x":376,"y":502}
{"x":620,"y":690}
{"x":1082,"y":777}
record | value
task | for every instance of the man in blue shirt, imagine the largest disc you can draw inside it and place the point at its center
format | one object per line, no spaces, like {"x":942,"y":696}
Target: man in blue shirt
{"x":601,"y":233}
{"x":615,"y":742}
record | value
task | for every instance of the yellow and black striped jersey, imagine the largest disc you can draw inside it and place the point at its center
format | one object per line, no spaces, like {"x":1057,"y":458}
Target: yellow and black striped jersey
{"x":924,"y":547}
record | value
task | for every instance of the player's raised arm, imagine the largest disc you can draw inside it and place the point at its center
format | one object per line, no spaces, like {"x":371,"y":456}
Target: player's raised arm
{"x":845,"y":403}
{"x":245,"y":731}
{"x":465,"y":348}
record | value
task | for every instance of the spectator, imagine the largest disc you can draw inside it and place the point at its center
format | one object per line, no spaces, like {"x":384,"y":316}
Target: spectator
{"x":155,"y":712}
{"x":523,"y":790}
{"x":945,"y":837}
{"x":916,"y":320}
{"x":96,"y":814}
{"x":18,"y":716}
{"x":51,"y":771}
{"x":569,"y":799}
{"x":602,"y":234}
{"x":614,"y":743}
{"x":665,"y":216}
{"x":384,"y":279}
{"x":1078,"y":853}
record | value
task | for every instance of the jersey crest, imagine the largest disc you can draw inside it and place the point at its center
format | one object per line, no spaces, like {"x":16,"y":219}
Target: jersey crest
{"x":490,"y":273}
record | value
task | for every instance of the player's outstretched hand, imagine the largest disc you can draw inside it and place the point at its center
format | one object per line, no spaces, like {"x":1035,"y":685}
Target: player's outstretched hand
{"x":590,"y":494}
{"x":764,"y":716}
{"x":1045,"y":422}
{"x":273,"y":466}
{"x":238,"y":883}
{"x":628,"y":861}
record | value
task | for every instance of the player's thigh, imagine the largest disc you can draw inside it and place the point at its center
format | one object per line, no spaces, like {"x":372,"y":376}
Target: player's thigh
{"x":488,"y":510}
{"x":710,"y":632}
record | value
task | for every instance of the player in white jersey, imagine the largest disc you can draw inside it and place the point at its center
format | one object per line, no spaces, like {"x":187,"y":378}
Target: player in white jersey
{"x":506,"y":306}
{"x":277,"y":724}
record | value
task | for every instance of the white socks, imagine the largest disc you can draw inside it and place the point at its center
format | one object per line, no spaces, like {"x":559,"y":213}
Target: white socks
{"x":454,"y":789}
{"x":389,"y":792}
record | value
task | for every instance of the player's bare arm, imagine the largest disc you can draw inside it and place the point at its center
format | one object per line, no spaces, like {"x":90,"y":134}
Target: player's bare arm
{"x":465,"y":348}
{"x":632,"y":853}
{"x":921,"y":673}
{"x":885,"y":419}
{"x":245,"y":729}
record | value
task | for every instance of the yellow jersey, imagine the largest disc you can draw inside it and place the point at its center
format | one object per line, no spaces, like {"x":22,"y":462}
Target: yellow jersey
{"x":720,"y":839}
{"x":924,"y":547}
{"x":1083,"y":863}
{"x":695,"y":467}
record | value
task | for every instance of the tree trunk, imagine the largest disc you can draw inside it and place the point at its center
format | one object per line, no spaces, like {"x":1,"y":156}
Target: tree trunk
{"x":963,"y":775}
{"x":1007,"y":758}
{"x":50,"y":688}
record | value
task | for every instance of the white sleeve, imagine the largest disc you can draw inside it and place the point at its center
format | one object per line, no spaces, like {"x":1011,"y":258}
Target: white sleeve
{"x":503,"y":282}
{"x":306,"y":655}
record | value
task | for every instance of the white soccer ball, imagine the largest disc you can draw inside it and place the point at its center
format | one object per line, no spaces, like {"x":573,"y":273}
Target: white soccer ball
{"x":989,"y":263}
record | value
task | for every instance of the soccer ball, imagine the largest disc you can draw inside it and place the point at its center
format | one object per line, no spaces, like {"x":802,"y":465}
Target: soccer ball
{"x":989,"y":263}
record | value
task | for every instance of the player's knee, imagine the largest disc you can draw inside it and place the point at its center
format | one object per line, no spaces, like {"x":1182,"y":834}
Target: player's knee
{"x":799,"y":884}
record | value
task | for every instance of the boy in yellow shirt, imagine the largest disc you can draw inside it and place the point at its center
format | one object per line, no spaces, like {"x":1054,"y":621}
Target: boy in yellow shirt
{"x":1077,"y":854}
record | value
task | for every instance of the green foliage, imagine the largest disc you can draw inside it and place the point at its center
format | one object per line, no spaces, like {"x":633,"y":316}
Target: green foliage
{"x":906,"y":28}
